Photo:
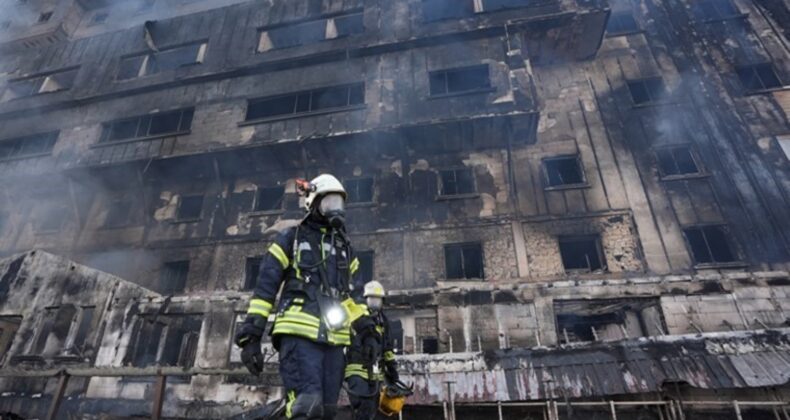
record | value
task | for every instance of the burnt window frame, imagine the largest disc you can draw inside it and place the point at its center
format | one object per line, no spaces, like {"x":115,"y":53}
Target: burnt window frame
{"x":662,"y":98}
{"x":547,"y":183}
{"x":617,"y":16}
{"x":442,"y":194}
{"x":357,"y":13}
{"x":16,"y":146}
{"x":696,"y":16}
{"x":145,"y":68}
{"x":185,"y":264}
{"x":166,"y":322}
{"x":38,"y":82}
{"x":143,"y":125}
{"x":753,"y":68}
{"x":432,"y":74}
{"x":309,"y":96}
{"x":356,"y":181}
{"x":45,"y":17}
{"x":637,"y":305}
{"x":180,"y":218}
{"x":251,"y":280}
{"x":257,"y":200}
{"x":15,"y":320}
{"x":461,"y":246}
{"x":692,"y":152}
{"x":729,"y":240}
{"x":596,"y":239}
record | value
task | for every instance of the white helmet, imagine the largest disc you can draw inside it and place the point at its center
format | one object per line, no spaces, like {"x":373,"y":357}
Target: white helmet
{"x":374,"y":289}
{"x":321,"y":185}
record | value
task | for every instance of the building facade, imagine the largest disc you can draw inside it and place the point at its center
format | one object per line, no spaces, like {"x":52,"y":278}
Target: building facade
{"x":547,"y":188}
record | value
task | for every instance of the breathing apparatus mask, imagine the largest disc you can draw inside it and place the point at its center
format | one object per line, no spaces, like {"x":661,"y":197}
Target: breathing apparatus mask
{"x":333,"y":208}
{"x":374,"y":303}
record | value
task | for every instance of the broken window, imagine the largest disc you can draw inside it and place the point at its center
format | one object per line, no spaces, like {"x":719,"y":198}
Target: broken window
{"x":459,"y":80}
{"x":359,"y":190}
{"x":582,"y":253}
{"x":755,"y":77}
{"x":621,"y":23}
{"x":269,"y":199}
{"x":334,"y":97}
{"x":676,"y":161}
{"x":190,"y":207}
{"x":28,"y":146}
{"x":45,"y":17}
{"x":306,"y":33}
{"x":433,"y":10}
{"x":173,"y":277}
{"x":118,"y":213}
{"x":646,"y":91}
{"x":493,"y":5}
{"x":426,"y":333}
{"x":9,"y":325}
{"x":154,"y":125}
{"x":607,"y":319}
{"x":464,"y":261}
{"x":163,"y":60}
{"x":710,"y":244}
{"x":784,"y":144}
{"x":166,"y":340}
{"x":457,"y":181}
{"x":78,"y":341}
{"x":252,"y":269}
{"x":713,"y":9}
{"x":52,"y":217}
{"x":365,"y":272}
{"x":54,"y":330}
{"x":43,"y":83}
{"x":563,"y":171}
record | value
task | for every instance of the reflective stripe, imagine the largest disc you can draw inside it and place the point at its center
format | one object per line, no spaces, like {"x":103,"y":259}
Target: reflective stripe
{"x":356,"y":369}
{"x":278,"y":253}
{"x":354,"y":266}
{"x":289,"y":405}
{"x":389,"y":356}
{"x":259,"y":307}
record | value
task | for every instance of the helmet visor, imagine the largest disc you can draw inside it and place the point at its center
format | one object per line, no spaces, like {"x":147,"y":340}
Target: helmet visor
{"x":332,"y":203}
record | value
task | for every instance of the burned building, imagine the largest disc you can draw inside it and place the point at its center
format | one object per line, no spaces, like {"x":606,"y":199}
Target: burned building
{"x":581,"y":208}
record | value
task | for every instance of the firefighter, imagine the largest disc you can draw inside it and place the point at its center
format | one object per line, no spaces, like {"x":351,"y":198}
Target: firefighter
{"x":370,"y":358}
{"x":320,"y":298}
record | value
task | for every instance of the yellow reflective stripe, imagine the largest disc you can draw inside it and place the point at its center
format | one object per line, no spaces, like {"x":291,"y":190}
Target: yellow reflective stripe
{"x":354,"y":266}
{"x":278,"y":253}
{"x":301,"y":317}
{"x":259,"y":307}
{"x":255,"y":311}
{"x":389,"y":356}
{"x":289,"y":405}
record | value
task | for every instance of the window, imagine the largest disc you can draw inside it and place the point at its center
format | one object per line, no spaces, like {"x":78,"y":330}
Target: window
{"x":563,"y":171}
{"x":433,"y":10}
{"x":9,"y":325}
{"x":460,"y":80}
{"x":45,"y":83}
{"x":173,"y":277}
{"x":51,"y":217}
{"x":647,"y":91}
{"x":676,"y":161}
{"x":582,"y":253}
{"x":252,"y":268}
{"x":365,"y":265}
{"x":118,"y":213}
{"x":99,"y":18}
{"x":426,"y":331}
{"x":153,"y":125}
{"x":713,"y":9}
{"x":709,"y":244}
{"x":493,"y":5}
{"x":28,"y":146}
{"x":54,"y":330}
{"x":163,"y":60}
{"x":165,"y":340}
{"x":607,"y":319}
{"x":44,"y":17}
{"x":190,"y":207}
{"x":322,"y":99}
{"x":464,"y":261}
{"x":758,"y":77}
{"x":621,"y":23}
{"x":784,"y":144}
{"x":457,"y":182}
{"x":310,"y":32}
{"x":359,"y":190}
{"x":78,"y":343}
{"x":269,"y":199}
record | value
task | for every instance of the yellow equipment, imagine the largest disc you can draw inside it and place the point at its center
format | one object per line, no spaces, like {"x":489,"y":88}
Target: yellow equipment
{"x":393,"y":397}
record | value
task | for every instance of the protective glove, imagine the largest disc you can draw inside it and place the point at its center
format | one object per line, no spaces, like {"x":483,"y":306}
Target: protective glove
{"x":363,"y":324}
{"x":391,"y":372}
{"x":249,"y":339}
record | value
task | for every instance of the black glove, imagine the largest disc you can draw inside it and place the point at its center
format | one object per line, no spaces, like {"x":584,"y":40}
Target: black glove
{"x":249,"y":339}
{"x":391,"y":372}
{"x":363,"y":325}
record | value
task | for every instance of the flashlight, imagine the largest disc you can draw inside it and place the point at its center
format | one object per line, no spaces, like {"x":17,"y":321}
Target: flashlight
{"x":335,"y":317}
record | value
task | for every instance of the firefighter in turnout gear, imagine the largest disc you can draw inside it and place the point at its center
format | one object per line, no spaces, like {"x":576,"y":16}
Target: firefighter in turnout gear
{"x":370,"y":358}
{"x":321,"y":296}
